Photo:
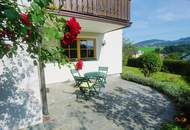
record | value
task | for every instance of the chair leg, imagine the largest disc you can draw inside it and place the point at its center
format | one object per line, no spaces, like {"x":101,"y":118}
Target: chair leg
{"x":84,"y":93}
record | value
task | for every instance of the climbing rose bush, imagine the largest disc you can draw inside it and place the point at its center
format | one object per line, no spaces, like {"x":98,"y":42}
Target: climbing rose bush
{"x":36,"y":27}
{"x":68,"y":39}
{"x":74,"y":29}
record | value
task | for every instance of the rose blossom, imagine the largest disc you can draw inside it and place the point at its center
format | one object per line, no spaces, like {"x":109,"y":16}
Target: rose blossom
{"x":25,"y":20}
{"x":73,"y":26}
{"x":68,"y":39}
{"x":79,"y":64}
{"x":29,"y":32}
{"x":74,"y":30}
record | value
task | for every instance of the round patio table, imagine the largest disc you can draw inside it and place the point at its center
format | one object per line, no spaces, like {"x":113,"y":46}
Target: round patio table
{"x":92,"y":75}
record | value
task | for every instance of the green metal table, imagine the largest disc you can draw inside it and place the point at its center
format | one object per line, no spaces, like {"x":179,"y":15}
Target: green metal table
{"x":98,"y":76}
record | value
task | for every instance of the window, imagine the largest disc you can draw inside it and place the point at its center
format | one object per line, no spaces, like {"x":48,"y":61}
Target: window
{"x":83,"y":48}
{"x":71,"y":50}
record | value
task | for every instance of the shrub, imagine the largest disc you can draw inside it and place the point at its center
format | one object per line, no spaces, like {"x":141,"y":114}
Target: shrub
{"x":176,"y":66}
{"x":125,"y":60}
{"x":172,"y":66}
{"x":134,"y":62}
{"x":151,"y":63}
{"x":171,"y":126}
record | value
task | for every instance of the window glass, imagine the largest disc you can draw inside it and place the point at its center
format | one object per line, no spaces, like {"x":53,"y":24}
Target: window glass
{"x":90,"y":53}
{"x":87,"y":48}
{"x":74,"y":45}
{"x":82,"y":48}
{"x":66,"y":52}
{"x":90,"y":44}
{"x":83,"y":44}
{"x":83,"y":53}
{"x":73,"y":54}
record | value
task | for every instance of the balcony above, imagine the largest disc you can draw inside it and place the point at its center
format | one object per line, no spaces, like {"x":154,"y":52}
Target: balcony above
{"x":108,"y":15}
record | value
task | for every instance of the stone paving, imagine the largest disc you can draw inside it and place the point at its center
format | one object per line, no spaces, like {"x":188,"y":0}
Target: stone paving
{"x":122,"y":105}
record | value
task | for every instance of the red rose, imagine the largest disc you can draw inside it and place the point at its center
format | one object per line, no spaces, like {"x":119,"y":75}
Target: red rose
{"x":68,"y":39}
{"x":25,"y":20}
{"x":29,"y":32}
{"x":79,"y":65}
{"x":74,"y":27}
{"x":74,"y":30}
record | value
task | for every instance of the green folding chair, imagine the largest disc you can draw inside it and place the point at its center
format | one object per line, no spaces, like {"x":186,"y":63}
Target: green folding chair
{"x":104,"y":71}
{"x":77,"y":77}
{"x":86,"y":87}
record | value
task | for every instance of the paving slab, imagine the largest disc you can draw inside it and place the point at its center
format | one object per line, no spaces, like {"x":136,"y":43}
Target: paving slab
{"x":121,"y":105}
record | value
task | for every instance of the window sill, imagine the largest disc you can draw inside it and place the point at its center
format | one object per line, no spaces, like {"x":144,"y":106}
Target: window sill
{"x":84,"y":59}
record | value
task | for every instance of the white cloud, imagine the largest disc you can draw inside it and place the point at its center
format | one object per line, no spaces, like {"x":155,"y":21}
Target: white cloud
{"x":174,"y":12}
{"x":173,"y":16}
{"x":161,"y":10}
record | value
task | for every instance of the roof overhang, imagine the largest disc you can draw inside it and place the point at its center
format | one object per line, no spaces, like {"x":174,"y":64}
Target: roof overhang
{"x":95,"y":24}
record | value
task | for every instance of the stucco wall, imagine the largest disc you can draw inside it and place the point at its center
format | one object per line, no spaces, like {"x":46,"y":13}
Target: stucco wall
{"x":108,"y":55}
{"x":20,"y":102}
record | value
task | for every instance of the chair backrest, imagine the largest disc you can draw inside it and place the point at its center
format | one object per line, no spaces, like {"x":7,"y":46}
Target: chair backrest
{"x":75,"y":73}
{"x":103,"y":69}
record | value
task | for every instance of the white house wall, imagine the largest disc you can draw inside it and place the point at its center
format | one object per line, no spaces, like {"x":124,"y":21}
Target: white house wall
{"x":20,"y":102}
{"x":109,"y":55}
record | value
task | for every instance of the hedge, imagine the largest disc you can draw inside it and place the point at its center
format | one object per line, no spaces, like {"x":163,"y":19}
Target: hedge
{"x":176,"y":66}
{"x":134,"y":62}
{"x":173,"y":66}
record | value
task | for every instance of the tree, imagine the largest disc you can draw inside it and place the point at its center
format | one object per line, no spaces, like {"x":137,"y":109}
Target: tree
{"x":157,"y":50}
{"x":128,"y":50}
{"x":151,"y":63}
{"x":33,"y":27}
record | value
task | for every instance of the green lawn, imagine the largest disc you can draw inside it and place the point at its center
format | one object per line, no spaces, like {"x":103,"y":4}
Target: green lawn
{"x":147,"y":49}
{"x":161,"y":76}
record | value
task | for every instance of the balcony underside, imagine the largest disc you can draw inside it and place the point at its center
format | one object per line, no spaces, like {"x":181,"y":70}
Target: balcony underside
{"x":96,"y":24}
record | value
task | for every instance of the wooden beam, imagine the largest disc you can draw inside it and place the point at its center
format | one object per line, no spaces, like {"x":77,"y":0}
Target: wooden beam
{"x":119,"y":9}
{"x":105,"y":19}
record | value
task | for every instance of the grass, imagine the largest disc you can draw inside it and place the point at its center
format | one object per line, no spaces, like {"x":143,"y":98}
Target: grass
{"x":172,"y":85}
{"x":147,"y":49}
{"x":161,"y":76}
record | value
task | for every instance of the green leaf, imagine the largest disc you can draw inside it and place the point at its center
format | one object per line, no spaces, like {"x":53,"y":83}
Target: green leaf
{"x":24,"y":30}
{"x":12,"y":14}
{"x":42,"y":3}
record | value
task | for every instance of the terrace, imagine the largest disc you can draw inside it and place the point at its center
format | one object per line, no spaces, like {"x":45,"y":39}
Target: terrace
{"x":121,"y":105}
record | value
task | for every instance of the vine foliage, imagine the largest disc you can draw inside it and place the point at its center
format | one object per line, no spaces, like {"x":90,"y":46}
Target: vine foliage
{"x":31,"y":28}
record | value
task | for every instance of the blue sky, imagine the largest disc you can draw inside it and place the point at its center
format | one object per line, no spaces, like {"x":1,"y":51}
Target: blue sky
{"x":159,"y":19}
